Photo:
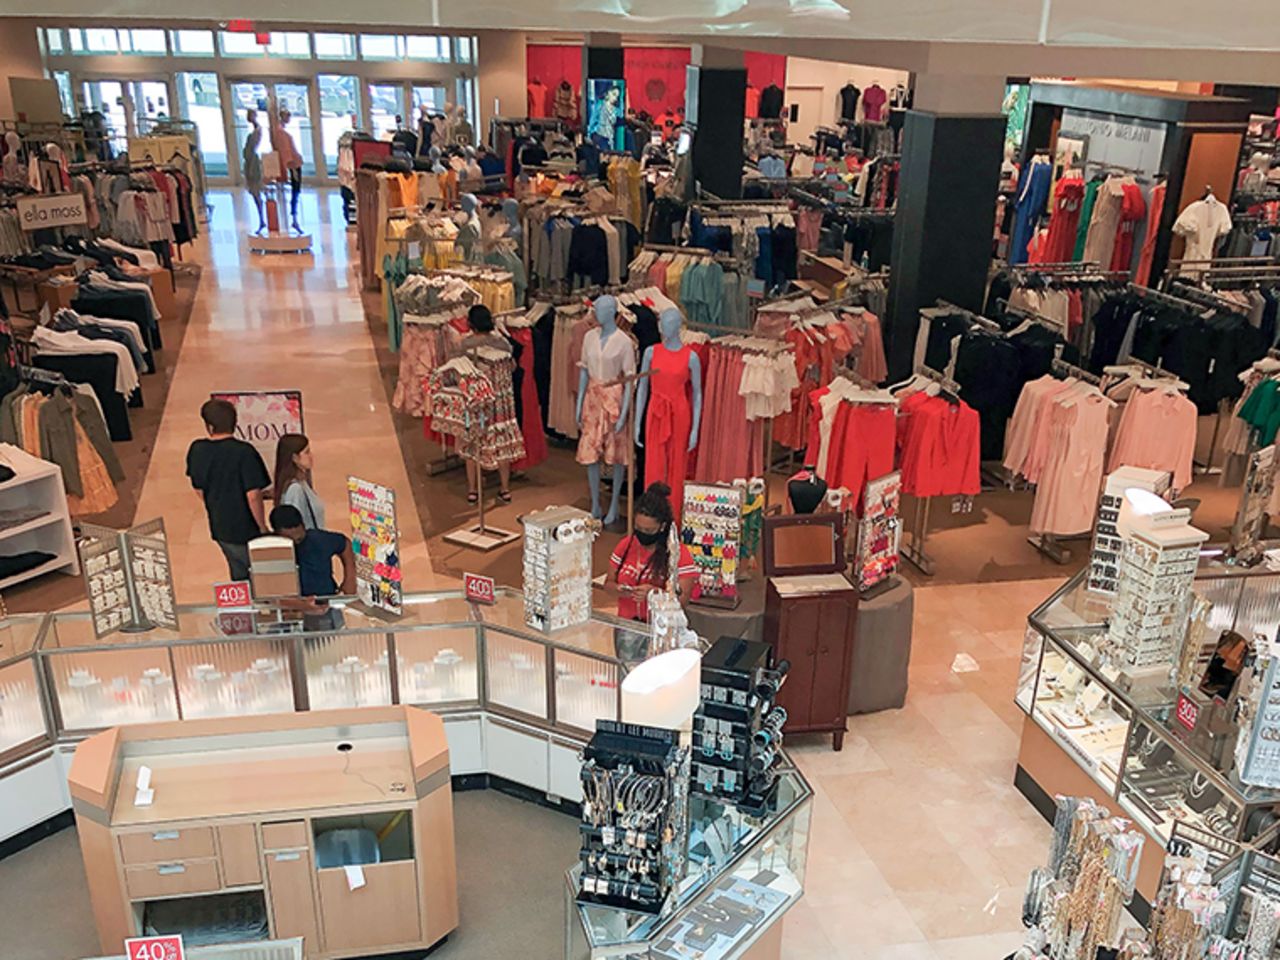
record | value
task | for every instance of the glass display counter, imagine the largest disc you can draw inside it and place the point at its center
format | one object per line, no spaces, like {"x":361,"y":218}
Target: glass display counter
{"x":1127,"y":739}
{"x":744,"y":874}
{"x":24,"y":722}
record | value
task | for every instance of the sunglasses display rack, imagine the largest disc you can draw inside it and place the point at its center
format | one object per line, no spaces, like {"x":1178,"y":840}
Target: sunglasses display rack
{"x":737,"y":731}
{"x":635,"y":816}
{"x":711,"y":527}
{"x":1157,"y":565}
{"x":1104,"y":561}
{"x":557,"y":567}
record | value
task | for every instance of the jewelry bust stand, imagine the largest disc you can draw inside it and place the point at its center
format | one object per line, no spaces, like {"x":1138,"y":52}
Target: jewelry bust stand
{"x":280,"y":236}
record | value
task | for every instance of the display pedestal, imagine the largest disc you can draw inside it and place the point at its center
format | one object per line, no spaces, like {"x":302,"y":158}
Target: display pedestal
{"x":283,"y":239}
{"x":882,"y":649}
{"x":743,"y":622}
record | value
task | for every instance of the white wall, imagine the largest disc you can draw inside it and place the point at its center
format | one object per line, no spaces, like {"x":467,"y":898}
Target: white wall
{"x":830,"y":77}
{"x":501,"y":68}
{"x":19,"y":57}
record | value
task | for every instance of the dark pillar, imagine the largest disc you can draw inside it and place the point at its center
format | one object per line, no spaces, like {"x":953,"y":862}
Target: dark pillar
{"x":715,"y":101}
{"x":942,"y":233}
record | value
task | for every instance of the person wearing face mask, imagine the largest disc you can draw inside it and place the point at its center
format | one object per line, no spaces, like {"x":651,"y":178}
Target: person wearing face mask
{"x":642,"y":561}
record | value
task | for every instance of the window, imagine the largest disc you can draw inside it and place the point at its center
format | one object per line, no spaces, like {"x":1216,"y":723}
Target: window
{"x":239,"y":44}
{"x":381,"y":46}
{"x":65,"y":94}
{"x":290,"y":45}
{"x":53,"y":40}
{"x":150,"y":42}
{"x":339,"y":112}
{"x":192,"y":43}
{"x":335,"y":46}
{"x":200,"y":101}
{"x":98,"y":41}
{"x":386,"y":107}
{"x":427,"y":48}
{"x":465,"y":50}
{"x":431,"y":97}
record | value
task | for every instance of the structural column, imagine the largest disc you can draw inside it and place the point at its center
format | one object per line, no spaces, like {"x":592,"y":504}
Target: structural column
{"x":602,"y":59}
{"x":715,"y":101}
{"x":952,"y":145}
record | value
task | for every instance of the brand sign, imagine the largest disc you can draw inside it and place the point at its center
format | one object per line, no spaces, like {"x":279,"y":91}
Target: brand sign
{"x":1188,"y":712}
{"x":154,"y":948}
{"x":233,"y":594}
{"x":479,"y":589}
{"x":264,"y":416}
{"x":54,"y":210}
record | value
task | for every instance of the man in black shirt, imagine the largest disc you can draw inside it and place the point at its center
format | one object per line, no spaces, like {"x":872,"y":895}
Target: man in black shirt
{"x":229,"y":477}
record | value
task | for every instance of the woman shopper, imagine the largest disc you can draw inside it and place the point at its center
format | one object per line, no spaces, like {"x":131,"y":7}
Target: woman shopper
{"x":293,"y":480}
{"x":642,"y":561}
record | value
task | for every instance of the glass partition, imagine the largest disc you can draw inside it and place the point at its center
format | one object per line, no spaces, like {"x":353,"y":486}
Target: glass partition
{"x":347,"y":670}
{"x":233,"y":677}
{"x":438,"y":666}
{"x":22,"y":719}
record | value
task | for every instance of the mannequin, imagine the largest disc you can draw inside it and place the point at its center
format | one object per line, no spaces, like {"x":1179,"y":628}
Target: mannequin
{"x":668,"y":418}
{"x":425,"y":129}
{"x":468,"y":238}
{"x":290,"y":161}
{"x":12,"y":165}
{"x":1009,"y":168}
{"x":607,"y":356}
{"x":436,"y":165}
{"x":511,"y":209}
{"x":1254,"y":177}
{"x":251,"y":165}
{"x":806,"y":490}
{"x":472,"y":175}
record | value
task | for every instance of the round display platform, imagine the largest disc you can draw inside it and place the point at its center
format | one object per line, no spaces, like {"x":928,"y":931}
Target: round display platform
{"x":280,"y":243}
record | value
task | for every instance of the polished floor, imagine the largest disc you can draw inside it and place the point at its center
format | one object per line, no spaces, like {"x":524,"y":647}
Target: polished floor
{"x":920,"y":847}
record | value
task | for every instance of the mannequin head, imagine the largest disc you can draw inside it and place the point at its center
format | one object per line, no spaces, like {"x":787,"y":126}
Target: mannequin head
{"x":469,"y":203}
{"x":469,"y":152}
{"x":422,"y":110}
{"x":436,"y":165}
{"x":252,"y":117}
{"x":606,"y":308}
{"x":285,"y":117}
{"x":669,"y":323}
{"x":13,"y":141}
{"x":511,"y":209}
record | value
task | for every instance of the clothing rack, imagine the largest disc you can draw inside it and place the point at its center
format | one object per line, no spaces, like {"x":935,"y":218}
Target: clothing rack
{"x":913,"y":549}
{"x":1059,"y":365}
{"x":947,"y":308}
{"x":1156,"y":296}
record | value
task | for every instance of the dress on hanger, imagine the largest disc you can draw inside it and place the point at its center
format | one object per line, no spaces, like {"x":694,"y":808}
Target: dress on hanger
{"x":668,"y":420}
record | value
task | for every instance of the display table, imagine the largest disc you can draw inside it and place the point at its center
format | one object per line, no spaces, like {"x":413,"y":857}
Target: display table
{"x":334,"y":826}
{"x":882,"y":650}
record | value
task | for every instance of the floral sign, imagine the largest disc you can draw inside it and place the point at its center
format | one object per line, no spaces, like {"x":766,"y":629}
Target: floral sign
{"x":263,"y":417}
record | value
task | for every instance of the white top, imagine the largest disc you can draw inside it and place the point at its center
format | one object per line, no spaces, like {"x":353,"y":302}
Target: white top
{"x":1202,"y":223}
{"x":69,"y":342}
{"x":608,"y":360}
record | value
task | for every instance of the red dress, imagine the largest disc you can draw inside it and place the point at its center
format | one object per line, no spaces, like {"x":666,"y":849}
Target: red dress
{"x":668,"y":420}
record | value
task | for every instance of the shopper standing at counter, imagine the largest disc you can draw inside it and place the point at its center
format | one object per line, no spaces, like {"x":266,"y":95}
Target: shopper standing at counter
{"x":294,"y":463}
{"x":314,"y":551}
{"x":229,"y":477}
{"x":642,"y":561}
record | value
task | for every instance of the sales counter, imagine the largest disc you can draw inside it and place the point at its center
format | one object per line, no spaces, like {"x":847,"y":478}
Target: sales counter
{"x":1129,"y":750}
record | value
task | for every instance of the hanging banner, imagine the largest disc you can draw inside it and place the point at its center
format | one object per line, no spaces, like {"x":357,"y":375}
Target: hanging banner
{"x":264,"y":416}
{"x":375,"y":541}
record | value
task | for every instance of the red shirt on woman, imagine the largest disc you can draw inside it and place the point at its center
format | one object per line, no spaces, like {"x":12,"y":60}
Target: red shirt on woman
{"x":629,"y":562}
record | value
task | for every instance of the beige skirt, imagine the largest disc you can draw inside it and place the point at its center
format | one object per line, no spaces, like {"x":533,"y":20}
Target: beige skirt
{"x":599,"y":442}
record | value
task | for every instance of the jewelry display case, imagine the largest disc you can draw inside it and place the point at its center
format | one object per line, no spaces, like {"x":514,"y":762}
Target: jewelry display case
{"x":1139,"y":747}
{"x":518,"y":703}
{"x":743,"y":874}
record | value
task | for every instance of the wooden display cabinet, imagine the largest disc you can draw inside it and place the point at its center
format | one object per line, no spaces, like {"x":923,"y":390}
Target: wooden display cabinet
{"x":241,"y":820}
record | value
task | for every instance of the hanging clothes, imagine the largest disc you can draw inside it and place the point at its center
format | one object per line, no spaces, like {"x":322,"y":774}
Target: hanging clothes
{"x":1064,"y":223}
{"x":1157,"y":431}
{"x":1033,"y":192}
{"x":1133,"y":207}
{"x":1155,"y":209}
{"x":1105,"y":221}
{"x":1067,"y":494}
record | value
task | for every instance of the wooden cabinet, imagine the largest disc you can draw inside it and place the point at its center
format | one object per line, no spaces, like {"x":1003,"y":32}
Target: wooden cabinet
{"x":181,"y":877}
{"x":238,"y":851}
{"x":155,"y":845}
{"x":810,"y":622}
{"x":293,"y":907}
{"x":382,"y":913}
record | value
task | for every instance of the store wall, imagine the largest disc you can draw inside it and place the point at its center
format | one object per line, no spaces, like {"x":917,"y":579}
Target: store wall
{"x":655,"y":78}
{"x":19,"y":57}
{"x":818,"y":83}
{"x":501,"y":74}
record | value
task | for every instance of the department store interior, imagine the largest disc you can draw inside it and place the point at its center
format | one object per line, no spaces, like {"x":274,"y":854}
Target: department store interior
{"x":717,"y":483}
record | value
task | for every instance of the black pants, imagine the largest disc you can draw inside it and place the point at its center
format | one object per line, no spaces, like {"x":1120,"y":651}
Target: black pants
{"x":295,"y":188}
{"x":237,"y":555}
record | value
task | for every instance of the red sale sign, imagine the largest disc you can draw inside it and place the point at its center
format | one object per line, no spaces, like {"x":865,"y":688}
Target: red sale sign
{"x":233,"y":594}
{"x":479,"y":589}
{"x":154,"y":948}
{"x":1188,"y":713}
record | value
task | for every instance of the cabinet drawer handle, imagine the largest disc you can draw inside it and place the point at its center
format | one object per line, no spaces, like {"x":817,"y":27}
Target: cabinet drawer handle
{"x":165,"y":835}
{"x":286,"y":857}
{"x":169,"y":869}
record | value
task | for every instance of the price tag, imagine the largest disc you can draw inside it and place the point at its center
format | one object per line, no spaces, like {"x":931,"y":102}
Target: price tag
{"x":479,"y":589}
{"x":154,"y":948}
{"x":1188,"y":712}
{"x":233,"y":594}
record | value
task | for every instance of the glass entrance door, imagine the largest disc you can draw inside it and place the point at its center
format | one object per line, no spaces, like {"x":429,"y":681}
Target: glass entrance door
{"x":107,"y":97}
{"x":294,"y":97}
{"x":147,"y":101}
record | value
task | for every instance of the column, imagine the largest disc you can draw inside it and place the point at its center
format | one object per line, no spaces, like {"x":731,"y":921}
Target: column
{"x":715,"y":101}
{"x":952,"y":145}
{"x":601,"y":60}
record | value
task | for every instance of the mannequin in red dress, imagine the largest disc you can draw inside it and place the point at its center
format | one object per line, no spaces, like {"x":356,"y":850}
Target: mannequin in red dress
{"x":669,"y":407}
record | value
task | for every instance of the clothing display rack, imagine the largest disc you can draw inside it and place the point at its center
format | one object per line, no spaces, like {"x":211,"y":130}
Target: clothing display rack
{"x":914,"y":547}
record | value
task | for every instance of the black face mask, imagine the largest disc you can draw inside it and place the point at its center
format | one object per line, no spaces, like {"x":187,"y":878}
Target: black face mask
{"x":649,"y":539}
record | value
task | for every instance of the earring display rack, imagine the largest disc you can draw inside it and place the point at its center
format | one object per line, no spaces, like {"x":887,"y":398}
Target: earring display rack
{"x":557,"y":567}
{"x":711,"y":527}
{"x":1104,"y":560}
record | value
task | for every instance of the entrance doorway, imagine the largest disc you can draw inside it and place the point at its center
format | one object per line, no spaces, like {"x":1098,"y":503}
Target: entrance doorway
{"x":290,"y":95}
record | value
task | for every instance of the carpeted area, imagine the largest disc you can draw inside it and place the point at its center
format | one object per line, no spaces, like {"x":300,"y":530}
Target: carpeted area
{"x":511,"y":861}
{"x":56,"y":591}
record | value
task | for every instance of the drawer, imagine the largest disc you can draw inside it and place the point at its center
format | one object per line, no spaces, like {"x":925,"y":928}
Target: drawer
{"x":152,"y":846}
{"x":286,"y":835}
{"x":172,"y":879}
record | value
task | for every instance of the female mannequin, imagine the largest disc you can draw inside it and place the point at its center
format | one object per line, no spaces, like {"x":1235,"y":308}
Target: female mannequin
{"x":13,"y":170}
{"x":669,"y":419}
{"x":607,"y":356}
{"x":251,"y":165}
{"x":468,"y":239}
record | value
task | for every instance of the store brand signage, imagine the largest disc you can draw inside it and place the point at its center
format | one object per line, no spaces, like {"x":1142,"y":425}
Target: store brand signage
{"x":1188,"y":712}
{"x":480,"y":589}
{"x":154,"y":948}
{"x":233,"y":594}
{"x":55,"y":210}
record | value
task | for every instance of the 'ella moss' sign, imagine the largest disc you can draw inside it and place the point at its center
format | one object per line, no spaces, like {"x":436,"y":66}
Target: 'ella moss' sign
{"x":54,"y":210}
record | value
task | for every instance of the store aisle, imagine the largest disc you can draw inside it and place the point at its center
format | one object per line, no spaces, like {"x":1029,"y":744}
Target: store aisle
{"x":269,"y":323}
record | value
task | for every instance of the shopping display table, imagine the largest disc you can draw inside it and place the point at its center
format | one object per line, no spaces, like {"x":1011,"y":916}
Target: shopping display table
{"x":335,"y":826}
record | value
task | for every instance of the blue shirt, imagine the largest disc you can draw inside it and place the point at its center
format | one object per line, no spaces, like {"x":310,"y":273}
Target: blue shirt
{"x":315,"y":553}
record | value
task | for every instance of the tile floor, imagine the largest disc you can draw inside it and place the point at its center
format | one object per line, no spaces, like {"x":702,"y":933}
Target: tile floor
{"x":920,"y":846}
